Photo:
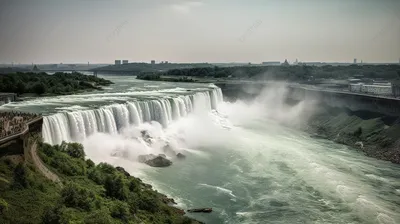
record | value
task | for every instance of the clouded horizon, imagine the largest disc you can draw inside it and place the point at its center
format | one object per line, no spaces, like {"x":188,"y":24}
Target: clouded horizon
{"x":78,"y":31}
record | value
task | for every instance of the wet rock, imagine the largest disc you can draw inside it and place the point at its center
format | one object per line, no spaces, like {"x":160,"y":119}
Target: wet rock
{"x":168,"y":150}
{"x":159,"y":161}
{"x":122,"y":170}
{"x":144,"y":158}
{"x":359,"y":144}
{"x":169,"y":201}
{"x":146,"y":137}
{"x":155,"y":161}
{"x":180,"y":156}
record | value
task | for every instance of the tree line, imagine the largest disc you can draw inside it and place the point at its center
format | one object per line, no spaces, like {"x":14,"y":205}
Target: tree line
{"x":42,"y":83}
{"x":297,"y":73}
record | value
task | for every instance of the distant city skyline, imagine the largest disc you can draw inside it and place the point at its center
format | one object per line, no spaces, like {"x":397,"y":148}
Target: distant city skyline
{"x":182,"y":31}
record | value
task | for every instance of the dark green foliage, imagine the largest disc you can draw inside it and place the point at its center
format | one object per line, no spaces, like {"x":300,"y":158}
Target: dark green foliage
{"x":297,"y":73}
{"x":90,"y":163}
{"x":101,"y":216}
{"x":74,"y":150}
{"x":76,"y":196}
{"x":119,"y":210}
{"x":115,"y":187}
{"x":21,"y":176}
{"x":59,"y":156}
{"x":42,"y":83}
{"x":3,"y":206}
{"x":103,"y":194}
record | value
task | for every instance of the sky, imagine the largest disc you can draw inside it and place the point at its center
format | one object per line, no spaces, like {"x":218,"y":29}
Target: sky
{"x":100,"y":31}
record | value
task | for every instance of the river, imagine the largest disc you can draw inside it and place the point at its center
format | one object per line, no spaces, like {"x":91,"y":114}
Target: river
{"x":243,"y":160}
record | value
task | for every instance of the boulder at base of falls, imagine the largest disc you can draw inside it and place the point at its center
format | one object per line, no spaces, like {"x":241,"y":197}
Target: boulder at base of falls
{"x":168,"y":150}
{"x":155,"y":161}
{"x":144,"y":158}
{"x":180,"y":156}
{"x":159,"y":161}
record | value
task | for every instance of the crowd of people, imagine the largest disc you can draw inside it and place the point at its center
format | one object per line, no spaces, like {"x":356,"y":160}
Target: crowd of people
{"x":14,"y":122}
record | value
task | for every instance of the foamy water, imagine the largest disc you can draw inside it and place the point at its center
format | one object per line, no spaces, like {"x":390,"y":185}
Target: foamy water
{"x":241,"y":159}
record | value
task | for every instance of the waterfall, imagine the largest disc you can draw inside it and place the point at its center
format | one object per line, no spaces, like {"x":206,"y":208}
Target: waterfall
{"x":77,"y":125}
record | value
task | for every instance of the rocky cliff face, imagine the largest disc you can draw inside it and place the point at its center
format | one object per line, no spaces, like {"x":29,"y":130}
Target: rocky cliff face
{"x":375,"y":134}
{"x":367,"y":123}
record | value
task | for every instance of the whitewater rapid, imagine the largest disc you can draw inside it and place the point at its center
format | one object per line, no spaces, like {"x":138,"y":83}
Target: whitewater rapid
{"x":245,"y":160}
{"x":78,"y":125}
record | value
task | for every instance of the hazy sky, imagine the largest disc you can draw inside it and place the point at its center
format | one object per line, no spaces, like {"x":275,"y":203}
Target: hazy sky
{"x":54,"y":31}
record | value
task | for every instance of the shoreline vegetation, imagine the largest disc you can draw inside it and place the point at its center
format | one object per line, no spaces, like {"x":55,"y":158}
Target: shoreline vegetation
{"x":293,"y":73}
{"x":90,"y":194}
{"x":42,"y":84}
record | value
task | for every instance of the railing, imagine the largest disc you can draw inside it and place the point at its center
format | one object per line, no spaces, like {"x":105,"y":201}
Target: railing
{"x":23,"y":131}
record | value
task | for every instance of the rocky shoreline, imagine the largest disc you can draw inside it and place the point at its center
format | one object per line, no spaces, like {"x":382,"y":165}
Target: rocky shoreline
{"x":375,"y":135}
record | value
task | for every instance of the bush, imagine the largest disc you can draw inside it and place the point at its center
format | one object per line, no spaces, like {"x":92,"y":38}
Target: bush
{"x":146,"y":202}
{"x":115,"y":188}
{"x":77,"y":197}
{"x":21,"y":176}
{"x":101,"y":216}
{"x":3,"y":206}
{"x":119,"y":210}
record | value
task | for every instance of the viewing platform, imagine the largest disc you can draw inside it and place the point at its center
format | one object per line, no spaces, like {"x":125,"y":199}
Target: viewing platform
{"x":15,"y":128}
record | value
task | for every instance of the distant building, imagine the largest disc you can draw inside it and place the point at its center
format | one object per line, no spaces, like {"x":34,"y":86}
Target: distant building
{"x":35,"y":68}
{"x":117,"y":62}
{"x":355,"y":61}
{"x":286,"y":63}
{"x":166,"y":62}
{"x":125,"y":62}
{"x":271,"y":63}
{"x":153,"y":62}
{"x":383,"y":90}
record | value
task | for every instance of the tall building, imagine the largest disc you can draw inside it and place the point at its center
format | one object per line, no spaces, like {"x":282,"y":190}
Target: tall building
{"x":355,"y":61}
{"x":153,"y":62}
{"x":125,"y":62}
{"x":117,"y":62}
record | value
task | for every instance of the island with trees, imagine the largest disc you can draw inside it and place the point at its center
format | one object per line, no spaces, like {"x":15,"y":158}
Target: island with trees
{"x":45,"y":84}
{"x":87,"y":193}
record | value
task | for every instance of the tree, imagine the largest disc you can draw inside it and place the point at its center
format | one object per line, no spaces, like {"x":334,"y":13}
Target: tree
{"x":20,"y":88}
{"x":3,"y":206}
{"x":101,"y":216}
{"x":77,"y":197}
{"x":75,"y":150}
{"x":115,"y":188}
{"x":39,"y":88}
{"x":119,"y":210}
{"x":21,"y":176}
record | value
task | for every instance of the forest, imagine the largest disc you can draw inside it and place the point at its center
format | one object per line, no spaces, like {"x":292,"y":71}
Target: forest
{"x":90,"y":193}
{"x":44,"y":84}
{"x":297,"y":73}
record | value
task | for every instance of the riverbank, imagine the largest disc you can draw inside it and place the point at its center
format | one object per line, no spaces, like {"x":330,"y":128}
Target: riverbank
{"x":366,"y":123}
{"x":90,"y":194}
{"x":374,"y":134}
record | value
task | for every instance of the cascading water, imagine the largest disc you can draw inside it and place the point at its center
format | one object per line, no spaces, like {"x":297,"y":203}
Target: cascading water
{"x":76,"y":126}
